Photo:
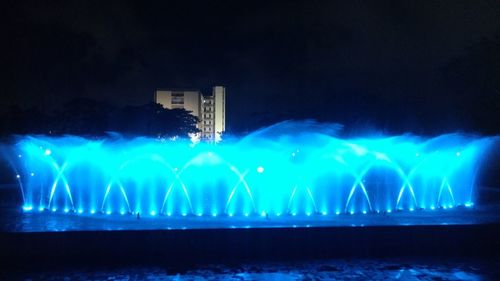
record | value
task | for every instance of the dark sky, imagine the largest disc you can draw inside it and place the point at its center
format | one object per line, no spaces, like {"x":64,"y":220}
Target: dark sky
{"x":386,"y":64}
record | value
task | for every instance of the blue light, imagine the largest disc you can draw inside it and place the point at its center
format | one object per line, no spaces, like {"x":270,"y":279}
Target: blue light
{"x":54,"y":209}
{"x":177,"y":178}
{"x":153,"y":213}
{"x":41,"y":209}
{"x":469,"y":204}
{"x":214,"y":214}
{"x":108,"y":212}
{"x":92,"y":211}
{"x":27,"y":208}
{"x":364,"y":212}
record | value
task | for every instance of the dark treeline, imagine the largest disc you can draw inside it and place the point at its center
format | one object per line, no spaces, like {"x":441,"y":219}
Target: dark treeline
{"x":87,"y":117}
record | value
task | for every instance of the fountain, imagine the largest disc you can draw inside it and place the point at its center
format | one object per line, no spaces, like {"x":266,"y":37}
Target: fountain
{"x":268,"y":173}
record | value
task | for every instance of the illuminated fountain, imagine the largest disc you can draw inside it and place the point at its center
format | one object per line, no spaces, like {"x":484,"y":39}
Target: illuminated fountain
{"x":309,"y":173}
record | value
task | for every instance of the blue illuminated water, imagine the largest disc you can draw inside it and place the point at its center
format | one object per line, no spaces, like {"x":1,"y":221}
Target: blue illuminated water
{"x":282,"y":174}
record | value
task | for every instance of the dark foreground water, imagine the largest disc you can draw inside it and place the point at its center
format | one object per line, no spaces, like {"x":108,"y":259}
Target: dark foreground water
{"x":15,"y":220}
{"x":344,"y":269}
{"x":41,"y":235}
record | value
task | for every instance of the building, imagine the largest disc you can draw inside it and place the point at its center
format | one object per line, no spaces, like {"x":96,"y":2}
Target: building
{"x":210,"y":109}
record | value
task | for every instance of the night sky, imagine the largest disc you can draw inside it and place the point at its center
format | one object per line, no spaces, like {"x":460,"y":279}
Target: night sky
{"x":396,"y":66}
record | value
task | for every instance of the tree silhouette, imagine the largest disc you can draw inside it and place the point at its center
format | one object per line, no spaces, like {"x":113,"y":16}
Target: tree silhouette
{"x":87,"y":117}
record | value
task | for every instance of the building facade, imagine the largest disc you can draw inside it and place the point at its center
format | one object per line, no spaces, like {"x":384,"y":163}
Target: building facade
{"x":210,"y":109}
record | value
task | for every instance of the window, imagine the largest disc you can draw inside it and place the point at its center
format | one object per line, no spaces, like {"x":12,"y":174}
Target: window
{"x":177,"y":98}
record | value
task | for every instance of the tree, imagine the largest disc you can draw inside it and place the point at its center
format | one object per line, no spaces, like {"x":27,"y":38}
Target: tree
{"x":153,"y":120}
{"x":82,"y":116}
{"x":86,"y":117}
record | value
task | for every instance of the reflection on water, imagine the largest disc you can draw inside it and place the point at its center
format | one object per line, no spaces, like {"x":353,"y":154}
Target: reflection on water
{"x":15,"y":220}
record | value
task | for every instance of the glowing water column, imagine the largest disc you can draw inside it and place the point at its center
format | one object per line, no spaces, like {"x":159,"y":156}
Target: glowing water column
{"x":313,"y":175}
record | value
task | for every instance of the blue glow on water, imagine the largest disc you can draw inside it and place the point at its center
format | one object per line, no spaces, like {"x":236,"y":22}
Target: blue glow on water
{"x":295,"y":175}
